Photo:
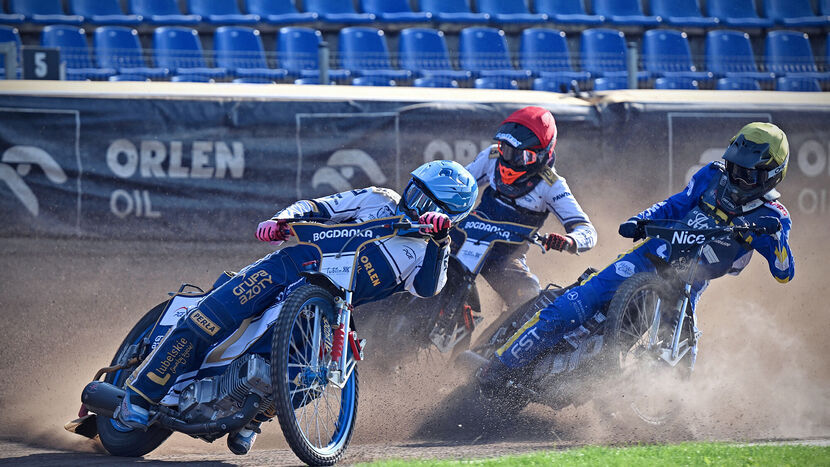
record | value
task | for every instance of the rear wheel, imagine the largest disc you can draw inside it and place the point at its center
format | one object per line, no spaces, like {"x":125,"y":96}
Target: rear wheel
{"x":118,"y":439}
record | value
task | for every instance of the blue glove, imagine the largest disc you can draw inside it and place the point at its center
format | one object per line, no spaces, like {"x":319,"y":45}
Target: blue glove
{"x":632,"y":229}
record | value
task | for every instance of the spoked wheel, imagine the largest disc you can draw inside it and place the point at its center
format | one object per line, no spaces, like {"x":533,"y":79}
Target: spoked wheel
{"x":644,"y":384}
{"x":316,"y":416}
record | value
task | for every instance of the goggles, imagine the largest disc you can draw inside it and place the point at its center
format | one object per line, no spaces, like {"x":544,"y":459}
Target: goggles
{"x":517,"y":157}
{"x":744,"y":178}
{"x":418,"y":203}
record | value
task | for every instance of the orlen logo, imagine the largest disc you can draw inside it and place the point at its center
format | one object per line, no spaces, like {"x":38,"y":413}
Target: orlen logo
{"x":340,"y":169}
{"x":687,"y":238}
{"x":24,"y":157}
{"x":340,"y":233}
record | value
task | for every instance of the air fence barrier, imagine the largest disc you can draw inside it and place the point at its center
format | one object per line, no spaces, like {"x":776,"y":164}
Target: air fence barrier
{"x":205,"y":162}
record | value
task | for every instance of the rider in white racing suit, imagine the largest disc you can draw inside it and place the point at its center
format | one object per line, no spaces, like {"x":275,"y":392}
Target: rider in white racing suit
{"x":439,"y":194}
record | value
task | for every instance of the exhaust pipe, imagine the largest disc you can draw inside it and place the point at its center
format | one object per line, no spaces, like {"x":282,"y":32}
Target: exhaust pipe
{"x":102,"y":398}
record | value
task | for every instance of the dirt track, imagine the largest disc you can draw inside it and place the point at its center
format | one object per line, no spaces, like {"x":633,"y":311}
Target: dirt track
{"x":762,"y":371}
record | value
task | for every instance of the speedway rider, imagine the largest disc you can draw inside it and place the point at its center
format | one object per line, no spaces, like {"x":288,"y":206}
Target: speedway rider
{"x":523,"y":187}
{"x":737,"y":191}
{"x":439,"y":193}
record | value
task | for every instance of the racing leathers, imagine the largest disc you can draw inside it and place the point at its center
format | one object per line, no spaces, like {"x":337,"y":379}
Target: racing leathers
{"x":414,"y":263}
{"x":697,"y":207}
{"x":506,"y":269}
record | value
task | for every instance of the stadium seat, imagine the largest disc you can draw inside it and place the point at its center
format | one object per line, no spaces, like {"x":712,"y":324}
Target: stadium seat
{"x":298,"y":53}
{"x":794,"y":13}
{"x":253,"y":80}
{"x":824,"y":7}
{"x":684,"y":13}
{"x":624,"y":12}
{"x":453,"y":11}
{"x":74,"y":51}
{"x":675,"y":82}
{"x":220,"y":12}
{"x":496,"y":82}
{"x":338,"y":11}
{"x":364,"y":52}
{"x":729,"y":54}
{"x":510,"y":12}
{"x":567,"y":12}
{"x":666,"y":52}
{"x":9,"y":34}
{"x":555,"y":84}
{"x":165,"y":12}
{"x":128,"y":78}
{"x":118,"y":47}
{"x":10,"y":18}
{"x":394,"y":11}
{"x":192,"y":79}
{"x":789,"y":53}
{"x":240,"y":51}
{"x":180,"y":50}
{"x":737,"y":84}
{"x":738,"y":13}
{"x":797,"y":84}
{"x":435,"y":82}
{"x":102,"y":12}
{"x":373,"y":81}
{"x":279,"y":12}
{"x":603,"y":53}
{"x":484,"y":51}
{"x":424,"y":52}
{"x":43,"y":12}
{"x":610,"y":83}
{"x":545,"y":52}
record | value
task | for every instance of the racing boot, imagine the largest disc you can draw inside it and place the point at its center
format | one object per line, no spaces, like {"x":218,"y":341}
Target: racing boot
{"x":240,"y":442}
{"x":493,"y":378}
{"x":132,"y":412}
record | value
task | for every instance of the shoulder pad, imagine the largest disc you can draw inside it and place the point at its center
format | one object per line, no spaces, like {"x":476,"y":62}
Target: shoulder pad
{"x":778,"y":208}
{"x":718,"y":164}
{"x":494,"y":152}
{"x":386,"y":192}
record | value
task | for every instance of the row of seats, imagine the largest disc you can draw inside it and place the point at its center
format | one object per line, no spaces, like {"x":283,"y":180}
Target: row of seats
{"x":685,"y":13}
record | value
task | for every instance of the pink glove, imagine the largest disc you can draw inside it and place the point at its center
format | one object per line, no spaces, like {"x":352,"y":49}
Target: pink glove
{"x":440,"y":224}
{"x":273,"y":230}
{"x":555,"y":241}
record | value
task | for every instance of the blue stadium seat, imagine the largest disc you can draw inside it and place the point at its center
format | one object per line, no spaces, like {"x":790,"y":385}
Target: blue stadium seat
{"x":545,"y":52}
{"x":74,"y":51}
{"x":364,"y":52}
{"x":496,"y":82}
{"x":794,"y":13}
{"x":797,"y":84}
{"x":180,"y":50}
{"x":220,"y":12}
{"x":297,"y":52}
{"x":338,"y":11}
{"x":675,"y":82}
{"x":789,"y":53}
{"x":729,"y":53}
{"x":737,"y":84}
{"x":824,"y":7}
{"x":453,"y":11}
{"x":624,"y":12}
{"x":162,"y":12}
{"x":102,"y":12}
{"x":43,"y":12}
{"x":738,"y":13}
{"x":685,"y":13}
{"x":373,"y":81}
{"x":240,"y":50}
{"x":603,"y":53}
{"x":128,"y":78}
{"x":252,"y":80}
{"x":279,"y":12}
{"x":510,"y":12}
{"x":484,"y":51}
{"x":187,"y":78}
{"x":610,"y":83}
{"x":424,"y":52}
{"x":10,"y":18}
{"x":554,"y":84}
{"x":118,"y":47}
{"x":9,"y":34}
{"x":567,"y":12}
{"x":435,"y":82}
{"x":666,"y":52}
{"x":394,"y":11}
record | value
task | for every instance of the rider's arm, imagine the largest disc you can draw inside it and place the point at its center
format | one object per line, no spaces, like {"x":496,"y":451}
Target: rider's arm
{"x":478,"y":167}
{"x":679,"y":204}
{"x":776,"y":248}
{"x":561,"y":202}
{"x":339,"y":207}
{"x":429,"y":278}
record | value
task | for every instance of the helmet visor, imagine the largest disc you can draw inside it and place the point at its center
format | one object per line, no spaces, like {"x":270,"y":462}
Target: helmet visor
{"x":742,"y":177}
{"x":517,"y":157}
{"x":418,"y":203}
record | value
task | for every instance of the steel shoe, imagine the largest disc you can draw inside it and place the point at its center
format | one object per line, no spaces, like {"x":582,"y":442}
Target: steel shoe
{"x":240,"y":442}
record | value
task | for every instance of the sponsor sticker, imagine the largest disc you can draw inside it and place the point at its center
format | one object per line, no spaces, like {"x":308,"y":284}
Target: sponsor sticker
{"x":624,"y":268}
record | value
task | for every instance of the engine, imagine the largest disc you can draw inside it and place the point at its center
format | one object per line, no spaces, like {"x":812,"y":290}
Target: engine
{"x":213,"y":398}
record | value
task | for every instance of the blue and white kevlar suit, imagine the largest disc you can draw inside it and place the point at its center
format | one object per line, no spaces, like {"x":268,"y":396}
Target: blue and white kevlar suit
{"x":413,"y":263}
{"x":506,"y":268}
{"x":696,"y":206}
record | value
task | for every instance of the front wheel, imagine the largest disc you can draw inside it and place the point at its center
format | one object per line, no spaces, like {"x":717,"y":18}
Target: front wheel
{"x":317,"y":417}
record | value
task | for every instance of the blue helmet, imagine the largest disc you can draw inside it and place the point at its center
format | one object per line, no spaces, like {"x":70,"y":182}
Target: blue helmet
{"x":440,"y":186}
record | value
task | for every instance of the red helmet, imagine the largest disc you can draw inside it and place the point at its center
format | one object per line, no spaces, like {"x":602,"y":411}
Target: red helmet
{"x":525,"y":142}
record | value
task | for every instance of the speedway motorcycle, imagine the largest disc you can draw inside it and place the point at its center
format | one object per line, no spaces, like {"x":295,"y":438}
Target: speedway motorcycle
{"x":297,"y":361}
{"x":646,"y":334}
{"x":447,"y":320}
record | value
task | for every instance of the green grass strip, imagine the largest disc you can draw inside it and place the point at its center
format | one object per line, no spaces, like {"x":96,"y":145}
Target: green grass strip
{"x":685,"y":454}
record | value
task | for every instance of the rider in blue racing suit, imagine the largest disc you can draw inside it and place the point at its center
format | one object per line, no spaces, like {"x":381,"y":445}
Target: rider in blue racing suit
{"x":737,"y":192}
{"x":522,"y":187}
{"x":440,"y":193}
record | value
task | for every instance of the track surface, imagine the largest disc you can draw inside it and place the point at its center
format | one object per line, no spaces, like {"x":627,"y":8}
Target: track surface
{"x":762,"y":372}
